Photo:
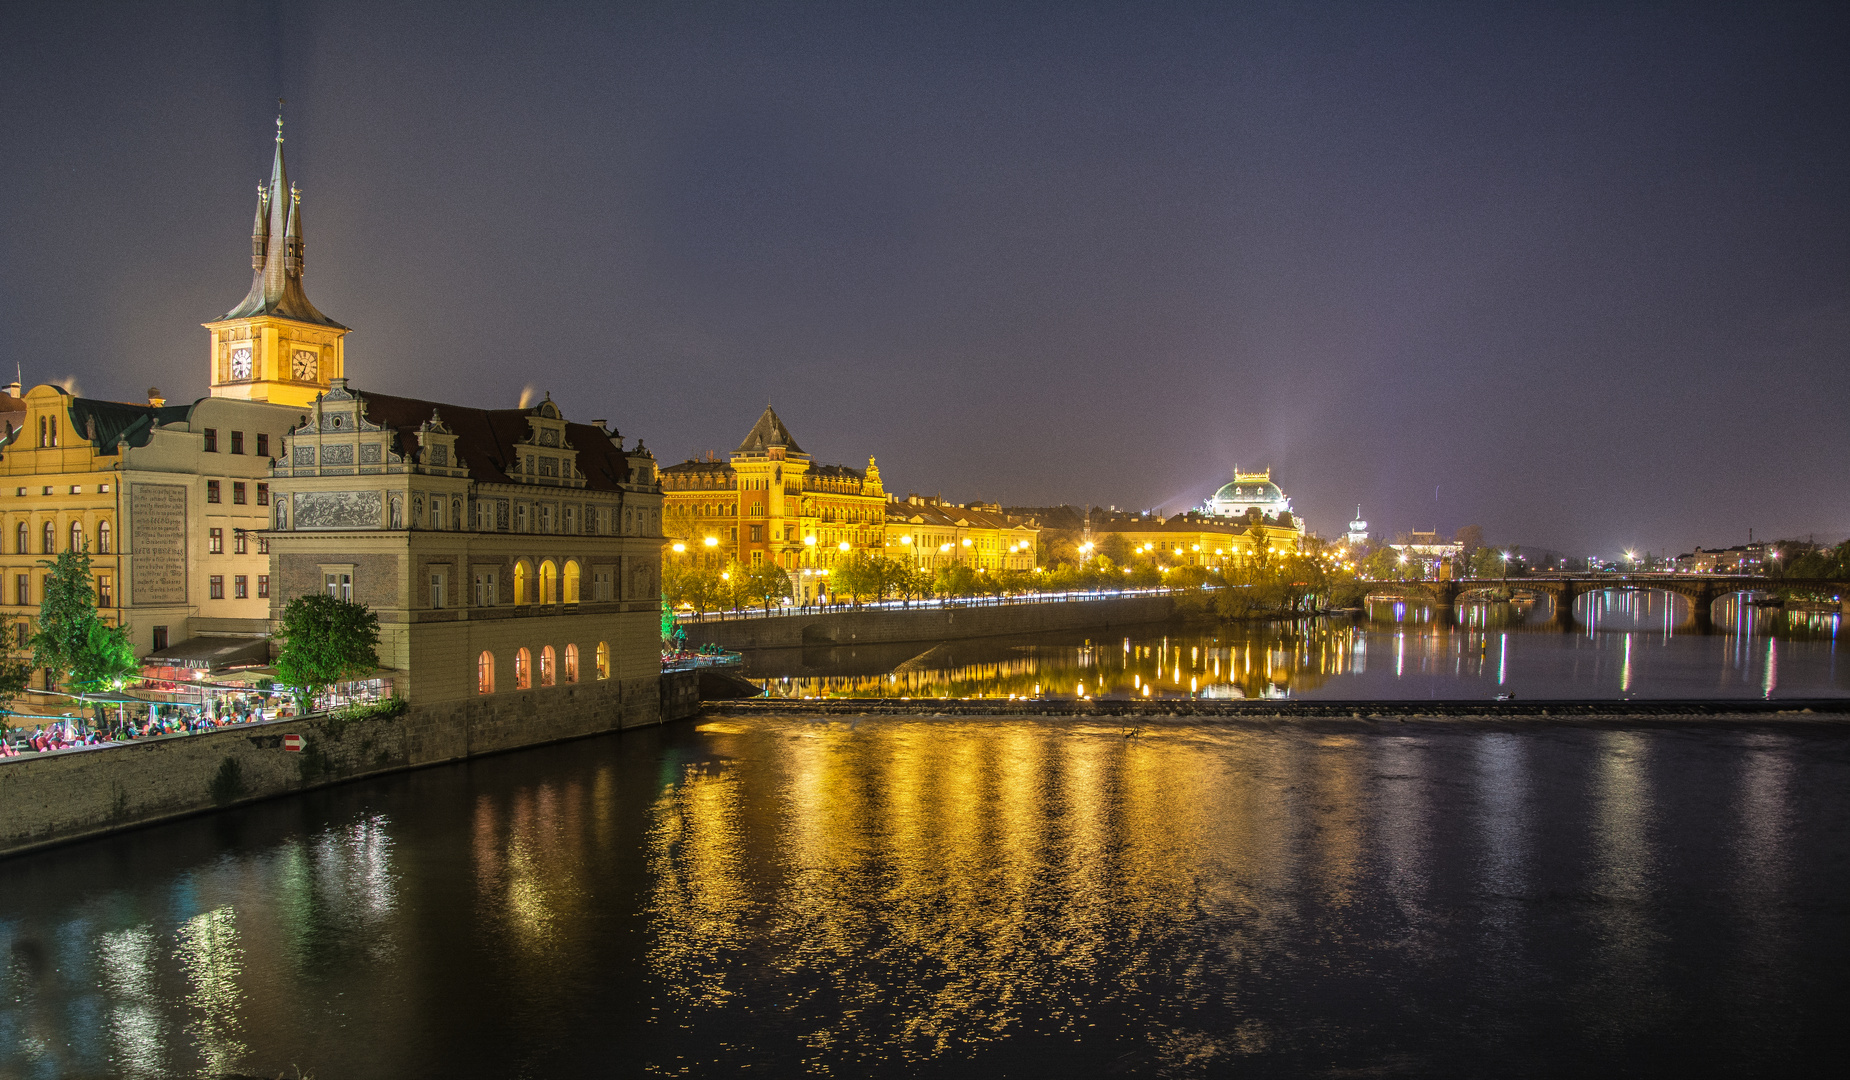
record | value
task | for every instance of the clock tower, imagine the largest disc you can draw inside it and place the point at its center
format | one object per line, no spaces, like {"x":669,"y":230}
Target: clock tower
{"x":275,"y":346}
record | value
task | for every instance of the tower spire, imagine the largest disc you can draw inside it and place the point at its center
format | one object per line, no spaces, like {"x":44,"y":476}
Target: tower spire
{"x":276,"y":249}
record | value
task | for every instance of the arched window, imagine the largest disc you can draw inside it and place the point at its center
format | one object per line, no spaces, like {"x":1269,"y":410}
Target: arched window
{"x":547,"y":672}
{"x":603,"y":659}
{"x":485,"y":673}
{"x":571,"y":663}
{"x":49,"y":540}
{"x":521,"y":583}
{"x":22,"y":542}
{"x":77,"y":536}
{"x":571,"y":581}
{"x":549,"y":583}
{"x":523,"y":670}
{"x":102,"y":538}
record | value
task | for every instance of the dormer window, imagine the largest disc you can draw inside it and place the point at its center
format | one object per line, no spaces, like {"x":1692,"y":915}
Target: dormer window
{"x":549,"y":437}
{"x":440,"y":455}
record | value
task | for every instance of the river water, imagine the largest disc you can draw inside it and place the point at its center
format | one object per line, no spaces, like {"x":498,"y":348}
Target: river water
{"x":916,"y":897}
{"x":1625,"y":645}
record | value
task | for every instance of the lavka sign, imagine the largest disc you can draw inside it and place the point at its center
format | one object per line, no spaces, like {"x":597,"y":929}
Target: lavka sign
{"x":157,"y":543}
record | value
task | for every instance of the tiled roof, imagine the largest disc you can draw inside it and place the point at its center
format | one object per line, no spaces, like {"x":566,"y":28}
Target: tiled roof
{"x":485,"y":438}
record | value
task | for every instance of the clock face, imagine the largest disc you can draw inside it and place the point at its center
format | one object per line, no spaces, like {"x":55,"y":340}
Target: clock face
{"x":241,"y":363}
{"x":306,"y":365}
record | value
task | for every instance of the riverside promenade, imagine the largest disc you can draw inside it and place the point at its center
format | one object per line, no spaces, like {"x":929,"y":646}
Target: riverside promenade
{"x":894,"y":621}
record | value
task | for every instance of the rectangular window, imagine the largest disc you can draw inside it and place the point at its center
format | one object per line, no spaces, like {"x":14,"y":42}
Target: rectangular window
{"x":263,"y":586}
{"x":263,"y":545}
{"x":339,"y":586}
{"x":240,"y":541}
{"x":160,"y":638}
{"x":263,"y":494}
{"x":212,"y":491}
{"x":240,"y":587}
{"x":217,"y":586}
{"x":211,"y":440}
{"x":486,"y":592}
{"x":263,"y":445}
{"x":22,"y":590}
{"x":439,"y":580}
{"x":237,"y":442}
{"x":237,"y":493}
{"x":105,"y":592}
{"x":757,"y":534}
{"x":215,"y":541}
{"x":757,"y":558}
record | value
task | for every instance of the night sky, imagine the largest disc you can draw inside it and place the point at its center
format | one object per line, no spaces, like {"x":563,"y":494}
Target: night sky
{"x":1578,"y":274}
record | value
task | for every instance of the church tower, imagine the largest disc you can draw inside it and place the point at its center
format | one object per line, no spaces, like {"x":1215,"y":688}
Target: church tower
{"x":275,"y":346}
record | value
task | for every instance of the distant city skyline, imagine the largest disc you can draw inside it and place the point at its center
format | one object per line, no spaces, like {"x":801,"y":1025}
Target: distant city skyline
{"x":1579,"y":277}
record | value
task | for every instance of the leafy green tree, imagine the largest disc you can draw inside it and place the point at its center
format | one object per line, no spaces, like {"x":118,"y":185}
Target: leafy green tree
{"x":73,"y":641}
{"x":326,"y":640}
{"x":766,"y":584}
{"x":15,"y":675}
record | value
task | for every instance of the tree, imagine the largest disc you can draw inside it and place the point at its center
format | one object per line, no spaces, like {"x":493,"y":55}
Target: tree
{"x":86,"y":653}
{"x":766,"y":583}
{"x":326,"y":640}
{"x":1471,"y":536}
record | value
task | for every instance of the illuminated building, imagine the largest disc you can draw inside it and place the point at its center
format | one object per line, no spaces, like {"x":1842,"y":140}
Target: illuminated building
{"x":932,"y":534}
{"x":1249,"y":493}
{"x":1197,"y":539}
{"x":504,"y":550}
{"x":770,"y":503}
{"x":1358,"y":529}
{"x":171,"y":500}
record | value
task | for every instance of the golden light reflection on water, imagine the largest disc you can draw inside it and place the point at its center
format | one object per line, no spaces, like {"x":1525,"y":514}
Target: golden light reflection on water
{"x":971,"y":882}
{"x":127,"y":961}
{"x":209,"y":953}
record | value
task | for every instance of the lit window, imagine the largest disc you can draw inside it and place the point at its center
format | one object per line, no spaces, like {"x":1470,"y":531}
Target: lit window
{"x":603,"y":659}
{"x":523,"y":670}
{"x":547,"y":658}
{"x":215,"y":541}
{"x":102,"y":538}
{"x":571,"y":663}
{"x":485,"y":673}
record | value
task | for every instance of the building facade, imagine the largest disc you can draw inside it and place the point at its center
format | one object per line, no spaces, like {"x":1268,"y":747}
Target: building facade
{"x":502,"y":549}
{"x":931,"y":535}
{"x":1197,"y":539}
{"x":769,"y":503}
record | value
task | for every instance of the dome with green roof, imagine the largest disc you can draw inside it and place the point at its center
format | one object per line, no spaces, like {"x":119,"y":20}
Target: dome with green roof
{"x":1248,"y":491}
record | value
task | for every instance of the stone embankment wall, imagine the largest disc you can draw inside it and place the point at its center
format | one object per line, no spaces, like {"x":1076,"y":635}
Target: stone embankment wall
{"x":878,"y":626}
{"x":52,"y":798}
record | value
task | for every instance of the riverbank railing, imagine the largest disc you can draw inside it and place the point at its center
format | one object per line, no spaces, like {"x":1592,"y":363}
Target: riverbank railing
{"x":937,"y":603}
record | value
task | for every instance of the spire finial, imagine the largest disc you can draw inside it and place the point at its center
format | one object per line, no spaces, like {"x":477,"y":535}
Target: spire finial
{"x":279,"y":119}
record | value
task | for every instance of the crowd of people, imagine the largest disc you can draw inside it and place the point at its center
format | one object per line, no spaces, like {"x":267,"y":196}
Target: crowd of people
{"x":159,"y":720}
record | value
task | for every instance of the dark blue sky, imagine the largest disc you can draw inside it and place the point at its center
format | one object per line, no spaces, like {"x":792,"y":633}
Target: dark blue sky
{"x":1583,"y":270}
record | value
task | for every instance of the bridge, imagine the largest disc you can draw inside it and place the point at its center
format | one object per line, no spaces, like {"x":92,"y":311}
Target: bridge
{"x":1701,"y":590}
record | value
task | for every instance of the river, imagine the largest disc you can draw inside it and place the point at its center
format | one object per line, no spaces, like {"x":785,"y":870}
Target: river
{"x":1626,"y":645}
{"x":912,"y":897}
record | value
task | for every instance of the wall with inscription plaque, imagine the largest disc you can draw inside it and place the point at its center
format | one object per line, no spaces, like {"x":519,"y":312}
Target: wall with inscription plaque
{"x":157,"y":542}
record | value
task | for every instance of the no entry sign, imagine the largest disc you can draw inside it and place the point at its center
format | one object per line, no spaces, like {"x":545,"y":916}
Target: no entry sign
{"x":292,"y":743}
